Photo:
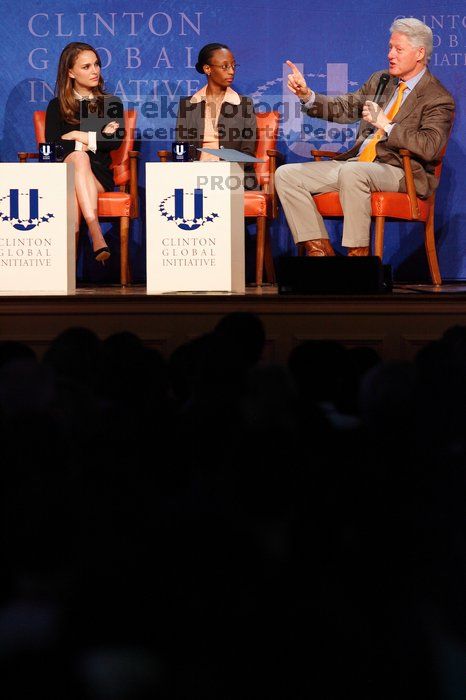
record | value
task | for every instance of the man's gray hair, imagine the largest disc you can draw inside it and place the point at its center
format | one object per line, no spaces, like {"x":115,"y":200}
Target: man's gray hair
{"x":418,"y":33}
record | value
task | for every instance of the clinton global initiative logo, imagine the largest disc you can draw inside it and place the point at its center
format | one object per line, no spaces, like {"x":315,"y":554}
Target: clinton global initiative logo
{"x":179,"y":206}
{"x":298,"y":131}
{"x":21,"y":210}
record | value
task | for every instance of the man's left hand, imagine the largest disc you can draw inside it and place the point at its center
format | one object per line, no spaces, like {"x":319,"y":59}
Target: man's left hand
{"x":373,"y":114}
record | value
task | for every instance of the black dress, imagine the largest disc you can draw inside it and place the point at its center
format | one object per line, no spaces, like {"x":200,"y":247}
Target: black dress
{"x":91,"y":118}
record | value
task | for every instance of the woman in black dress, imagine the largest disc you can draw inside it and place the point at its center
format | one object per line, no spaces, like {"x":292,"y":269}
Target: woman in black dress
{"x":88,"y":123}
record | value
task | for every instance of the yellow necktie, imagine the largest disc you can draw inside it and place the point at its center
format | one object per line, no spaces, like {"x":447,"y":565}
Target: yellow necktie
{"x":369,"y":153}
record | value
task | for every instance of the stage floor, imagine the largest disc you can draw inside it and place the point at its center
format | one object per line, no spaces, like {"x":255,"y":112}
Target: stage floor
{"x":395,"y":324}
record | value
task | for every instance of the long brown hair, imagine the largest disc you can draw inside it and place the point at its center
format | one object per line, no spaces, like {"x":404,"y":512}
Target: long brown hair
{"x":69,"y":105}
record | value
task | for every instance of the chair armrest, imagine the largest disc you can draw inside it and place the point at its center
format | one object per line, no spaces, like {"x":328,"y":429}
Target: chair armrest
{"x":318,"y":155}
{"x":273,"y":155}
{"x":164,"y":156}
{"x":410,"y":187}
{"x":23,"y":157}
{"x":133,"y":183}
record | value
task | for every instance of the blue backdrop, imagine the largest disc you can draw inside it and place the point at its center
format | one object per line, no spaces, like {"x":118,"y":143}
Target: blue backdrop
{"x":149,"y":49}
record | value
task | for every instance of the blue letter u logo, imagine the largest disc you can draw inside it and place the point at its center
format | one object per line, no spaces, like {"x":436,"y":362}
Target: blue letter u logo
{"x":198,"y":208}
{"x":33,"y":210}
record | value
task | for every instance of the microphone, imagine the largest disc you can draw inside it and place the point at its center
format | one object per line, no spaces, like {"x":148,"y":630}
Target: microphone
{"x":384,"y":78}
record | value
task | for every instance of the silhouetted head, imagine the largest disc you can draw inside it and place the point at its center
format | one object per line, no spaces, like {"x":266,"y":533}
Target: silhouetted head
{"x":11,"y":350}
{"x":244,"y":335}
{"x":75,"y":354}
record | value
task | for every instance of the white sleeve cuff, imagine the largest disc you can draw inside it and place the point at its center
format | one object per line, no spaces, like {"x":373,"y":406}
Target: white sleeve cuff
{"x":92,"y":141}
{"x":78,"y":146}
{"x":388,"y":129}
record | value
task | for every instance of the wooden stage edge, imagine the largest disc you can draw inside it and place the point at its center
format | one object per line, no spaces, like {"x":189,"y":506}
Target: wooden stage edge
{"x":397,"y":325}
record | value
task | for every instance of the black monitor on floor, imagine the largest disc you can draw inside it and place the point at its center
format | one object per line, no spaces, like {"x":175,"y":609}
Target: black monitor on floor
{"x":333,"y":275}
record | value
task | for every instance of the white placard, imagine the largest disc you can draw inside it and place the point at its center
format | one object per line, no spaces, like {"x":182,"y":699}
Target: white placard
{"x":37,"y":240}
{"x":195,"y":227}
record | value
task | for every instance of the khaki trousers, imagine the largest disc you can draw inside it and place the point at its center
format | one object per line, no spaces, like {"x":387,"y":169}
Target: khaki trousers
{"x":353,"y":180}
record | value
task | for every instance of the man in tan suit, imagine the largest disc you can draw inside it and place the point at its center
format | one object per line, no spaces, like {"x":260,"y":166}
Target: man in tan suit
{"x":415,"y":112}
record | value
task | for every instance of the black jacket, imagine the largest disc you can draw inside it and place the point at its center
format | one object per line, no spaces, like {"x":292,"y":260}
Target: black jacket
{"x":111,"y":109}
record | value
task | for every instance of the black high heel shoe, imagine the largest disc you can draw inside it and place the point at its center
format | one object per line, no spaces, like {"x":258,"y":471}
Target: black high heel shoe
{"x":101,"y":255}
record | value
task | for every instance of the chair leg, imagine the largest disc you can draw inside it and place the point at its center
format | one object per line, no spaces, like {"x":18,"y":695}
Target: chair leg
{"x":429,"y":242}
{"x":260,"y":248}
{"x":379,"y":234}
{"x":269,"y":266}
{"x":124,"y":257}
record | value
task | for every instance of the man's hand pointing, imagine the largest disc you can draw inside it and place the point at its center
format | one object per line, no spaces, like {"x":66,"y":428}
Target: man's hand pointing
{"x":297,"y":83}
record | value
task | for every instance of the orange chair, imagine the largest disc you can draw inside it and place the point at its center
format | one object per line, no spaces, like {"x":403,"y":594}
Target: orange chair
{"x":392,"y":206}
{"x":261,"y":204}
{"x":122,"y":204}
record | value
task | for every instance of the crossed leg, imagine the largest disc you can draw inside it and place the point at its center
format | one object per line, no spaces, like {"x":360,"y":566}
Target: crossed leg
{"x":353,"y":180}
{"x":87,"y":188}
{"x":295,"y":184}
{"x":356,"y":182}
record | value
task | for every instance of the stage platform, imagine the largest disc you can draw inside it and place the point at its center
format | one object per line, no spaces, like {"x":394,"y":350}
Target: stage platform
{"x":395,"y":324}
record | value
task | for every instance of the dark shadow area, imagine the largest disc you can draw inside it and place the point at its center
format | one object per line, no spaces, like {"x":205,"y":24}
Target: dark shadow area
{"x":214,"y":527}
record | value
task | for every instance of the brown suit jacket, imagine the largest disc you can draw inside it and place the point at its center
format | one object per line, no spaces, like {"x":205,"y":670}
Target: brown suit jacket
{"x":422,"y":124}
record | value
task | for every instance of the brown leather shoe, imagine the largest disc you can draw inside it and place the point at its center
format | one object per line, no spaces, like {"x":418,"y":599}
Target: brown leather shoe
{"x":359,"y":252}
{"x":318,"y":248}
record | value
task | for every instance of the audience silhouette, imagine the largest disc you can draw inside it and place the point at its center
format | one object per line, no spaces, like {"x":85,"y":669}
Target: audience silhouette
{"x":219,"y":527}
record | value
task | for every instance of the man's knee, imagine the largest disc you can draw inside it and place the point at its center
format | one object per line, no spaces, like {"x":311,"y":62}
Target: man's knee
{"x":282,"y":174}
{"x":286,"y":174}
{"x":353,"y":172}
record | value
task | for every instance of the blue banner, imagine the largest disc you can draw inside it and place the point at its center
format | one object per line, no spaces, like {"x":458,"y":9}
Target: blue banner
{"x":148,"y":53}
